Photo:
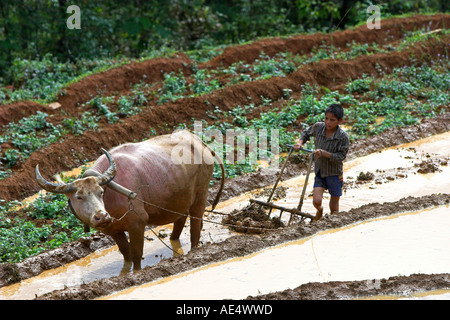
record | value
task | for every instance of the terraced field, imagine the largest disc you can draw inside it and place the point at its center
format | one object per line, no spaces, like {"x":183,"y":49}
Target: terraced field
{"x":393,"y":83}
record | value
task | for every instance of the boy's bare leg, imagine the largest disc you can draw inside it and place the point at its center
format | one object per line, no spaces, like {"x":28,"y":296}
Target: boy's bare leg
{"x":334,"y":204}
{"x":317,"y":202}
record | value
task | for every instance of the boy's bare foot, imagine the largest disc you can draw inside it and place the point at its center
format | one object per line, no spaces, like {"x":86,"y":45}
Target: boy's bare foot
{"x":334,"y":212}
{"x":319,"y":214}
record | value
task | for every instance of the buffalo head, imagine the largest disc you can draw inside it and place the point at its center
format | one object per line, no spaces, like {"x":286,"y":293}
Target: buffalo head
{"x":85,"y":195}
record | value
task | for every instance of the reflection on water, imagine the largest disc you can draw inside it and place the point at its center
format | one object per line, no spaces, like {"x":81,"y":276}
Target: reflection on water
{"x":104,"y":264}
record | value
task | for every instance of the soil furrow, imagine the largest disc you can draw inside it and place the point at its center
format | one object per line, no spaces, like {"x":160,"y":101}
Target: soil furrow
{"x":344,"y":290}
{"x":233,"y":187}
{"x":391,"y":30}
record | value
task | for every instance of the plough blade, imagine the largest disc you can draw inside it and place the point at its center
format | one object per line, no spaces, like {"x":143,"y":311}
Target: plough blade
{"x":274,"y":206}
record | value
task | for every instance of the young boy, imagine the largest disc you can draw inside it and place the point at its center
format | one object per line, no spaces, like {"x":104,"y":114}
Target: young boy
{"x":332,"y":144}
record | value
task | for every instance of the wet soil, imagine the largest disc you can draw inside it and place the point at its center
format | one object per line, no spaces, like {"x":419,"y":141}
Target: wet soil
{"x":340,"y":290}
{"x":11,"y":273}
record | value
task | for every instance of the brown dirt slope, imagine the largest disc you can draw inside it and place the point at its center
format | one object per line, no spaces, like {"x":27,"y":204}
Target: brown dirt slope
{"x":391,"y":30}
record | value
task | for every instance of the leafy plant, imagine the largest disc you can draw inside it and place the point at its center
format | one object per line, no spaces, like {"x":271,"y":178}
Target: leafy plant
{"x":269,"y":67}
{"x":99,"y":103}
{"x":203,"y":83}
{"x":21,"y":238}
{"x":174,"y":87}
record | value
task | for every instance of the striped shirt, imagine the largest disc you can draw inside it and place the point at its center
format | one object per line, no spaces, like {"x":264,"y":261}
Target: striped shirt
{"x":337,"y":145}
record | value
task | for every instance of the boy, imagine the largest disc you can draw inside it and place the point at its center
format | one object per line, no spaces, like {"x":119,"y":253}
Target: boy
{"x":332,"y":144}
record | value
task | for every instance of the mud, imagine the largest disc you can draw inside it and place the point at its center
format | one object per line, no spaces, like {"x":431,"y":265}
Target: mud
{"x":11,"y":273}
{"x":15,"y":272}
{"x":359,"y":148}
{"x":253,"y":219}
{"x":343,"y":290}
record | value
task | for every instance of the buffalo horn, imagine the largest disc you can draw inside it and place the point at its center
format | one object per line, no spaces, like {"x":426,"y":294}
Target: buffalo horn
{"x":110,"y":173}
{"x":53,"y":187}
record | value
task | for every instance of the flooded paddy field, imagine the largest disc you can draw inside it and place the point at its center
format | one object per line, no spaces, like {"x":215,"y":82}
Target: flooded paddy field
{"x":366,"y":239}
{"x":388,"y":241}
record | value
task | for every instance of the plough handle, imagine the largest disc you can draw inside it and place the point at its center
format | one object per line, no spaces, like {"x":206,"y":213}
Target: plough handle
{"x":301,"y":149}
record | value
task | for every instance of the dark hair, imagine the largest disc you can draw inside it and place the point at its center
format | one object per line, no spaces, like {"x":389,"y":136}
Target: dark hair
{"x":335,"y":109}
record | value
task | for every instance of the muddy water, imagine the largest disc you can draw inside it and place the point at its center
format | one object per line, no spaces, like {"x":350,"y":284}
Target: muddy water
{"x":404,"y":244}
{"x":108,"y":262}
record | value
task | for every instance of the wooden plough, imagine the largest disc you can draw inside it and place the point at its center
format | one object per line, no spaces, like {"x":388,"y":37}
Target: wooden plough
{"x":293,"y":211}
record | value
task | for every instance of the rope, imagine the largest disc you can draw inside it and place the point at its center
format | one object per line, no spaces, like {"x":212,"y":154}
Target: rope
{"x":201,"y":219}
{"x":131,"y":209}
{"x":157,"y":236}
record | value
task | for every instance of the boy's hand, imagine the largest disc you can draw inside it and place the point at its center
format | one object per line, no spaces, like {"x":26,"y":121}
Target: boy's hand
{"x":321,"y":153}
{"x":298,"y":146}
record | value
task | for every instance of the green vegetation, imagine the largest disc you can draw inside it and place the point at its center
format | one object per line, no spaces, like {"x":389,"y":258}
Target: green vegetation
{"x":42,"y":79}
{"x":401,"y":98}
{"x":380,"y":100}
{"x":22,"y":236}
{"x":28,"y":135}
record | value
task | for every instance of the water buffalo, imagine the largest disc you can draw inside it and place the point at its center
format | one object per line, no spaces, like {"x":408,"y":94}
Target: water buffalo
{"x":161,"y":171}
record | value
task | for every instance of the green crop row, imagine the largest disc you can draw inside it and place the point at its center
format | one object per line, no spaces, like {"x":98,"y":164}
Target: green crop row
{"x":372,"y":105}
{"x":403,"y":97}
{"x":43,"y":80}
{"x":45,"y":224}
{"x":35,"y":132}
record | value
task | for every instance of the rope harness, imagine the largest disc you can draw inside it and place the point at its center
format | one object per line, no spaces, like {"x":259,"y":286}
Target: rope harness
{"x":131,"y":209}
{"x":133,"y":196}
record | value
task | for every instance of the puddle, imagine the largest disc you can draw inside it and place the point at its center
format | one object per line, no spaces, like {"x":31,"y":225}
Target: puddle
{"x":415,"y":242}
{"x":395,"y":161}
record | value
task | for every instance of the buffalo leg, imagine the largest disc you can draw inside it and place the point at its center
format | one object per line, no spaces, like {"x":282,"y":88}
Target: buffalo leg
{"x":178,"y":226}
{"x":196,"y":215}
{"x":137,"y":245}
{"x":124,"y":248}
